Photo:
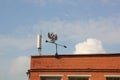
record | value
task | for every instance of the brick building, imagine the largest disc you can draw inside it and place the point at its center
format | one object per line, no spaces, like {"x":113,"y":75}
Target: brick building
{"x":75,"y":67}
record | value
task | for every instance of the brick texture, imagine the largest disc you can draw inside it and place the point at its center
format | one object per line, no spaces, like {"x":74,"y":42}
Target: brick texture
{"x":97,"y":66}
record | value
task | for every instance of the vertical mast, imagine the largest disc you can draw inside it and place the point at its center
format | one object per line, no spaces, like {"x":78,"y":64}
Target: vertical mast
{"x":39,"y":43}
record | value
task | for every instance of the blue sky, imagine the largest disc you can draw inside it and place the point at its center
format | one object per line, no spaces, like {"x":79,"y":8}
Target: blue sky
{"x":78,"y":23}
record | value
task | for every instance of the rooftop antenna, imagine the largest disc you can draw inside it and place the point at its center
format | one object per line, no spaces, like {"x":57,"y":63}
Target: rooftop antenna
{"x":39,"y":40}
{"x":53,"y":38}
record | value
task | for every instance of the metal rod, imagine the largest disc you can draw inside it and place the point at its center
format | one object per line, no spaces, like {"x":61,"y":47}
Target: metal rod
{"x":56,"y":44}
{"x":62,"y":45}
{"x":56,"y":50}
{"x":39,"y":51}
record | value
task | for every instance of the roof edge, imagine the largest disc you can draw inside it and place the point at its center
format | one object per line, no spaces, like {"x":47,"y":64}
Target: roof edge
{"x":75,"y":55}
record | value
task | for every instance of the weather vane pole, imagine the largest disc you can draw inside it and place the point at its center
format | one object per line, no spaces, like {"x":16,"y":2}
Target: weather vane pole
{"x":53,"y":38}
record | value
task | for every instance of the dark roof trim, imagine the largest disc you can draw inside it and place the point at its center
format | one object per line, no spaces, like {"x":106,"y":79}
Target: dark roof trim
{"x":77,"y":55}
{"x":74,"y":70}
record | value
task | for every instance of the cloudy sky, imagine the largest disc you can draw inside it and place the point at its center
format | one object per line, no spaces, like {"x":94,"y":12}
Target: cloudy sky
{"x":84,"y":26}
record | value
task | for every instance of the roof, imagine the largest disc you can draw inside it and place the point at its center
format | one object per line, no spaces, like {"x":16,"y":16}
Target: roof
{"x":76,"y":62}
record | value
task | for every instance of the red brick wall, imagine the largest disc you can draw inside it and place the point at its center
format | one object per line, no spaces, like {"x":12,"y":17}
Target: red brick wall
{"x":85,"y":62}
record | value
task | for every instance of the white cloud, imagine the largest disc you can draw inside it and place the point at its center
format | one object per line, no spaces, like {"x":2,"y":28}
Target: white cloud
{"x":20,"y":65}
{"x":105,"y":29}
{"x":15,"y":43}
{"x":91,"y":46}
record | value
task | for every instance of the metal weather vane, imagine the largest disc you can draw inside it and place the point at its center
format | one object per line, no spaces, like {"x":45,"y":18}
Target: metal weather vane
{"x":53,"y":38}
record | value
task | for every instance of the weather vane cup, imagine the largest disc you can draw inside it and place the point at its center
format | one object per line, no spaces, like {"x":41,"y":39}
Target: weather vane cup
{"x":53,"y":38}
